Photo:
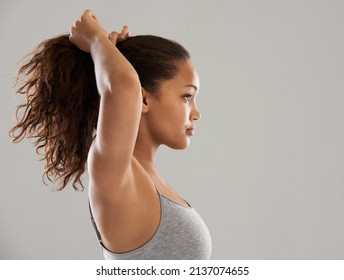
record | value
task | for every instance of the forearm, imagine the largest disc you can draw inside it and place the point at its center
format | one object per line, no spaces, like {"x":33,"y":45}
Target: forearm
{"x":114,"y":73}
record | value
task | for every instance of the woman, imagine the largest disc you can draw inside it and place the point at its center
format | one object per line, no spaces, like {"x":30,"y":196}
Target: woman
{"x":110,"y":101}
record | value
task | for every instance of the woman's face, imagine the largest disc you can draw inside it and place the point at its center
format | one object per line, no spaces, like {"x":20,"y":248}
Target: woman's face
{"x":172,"y":115}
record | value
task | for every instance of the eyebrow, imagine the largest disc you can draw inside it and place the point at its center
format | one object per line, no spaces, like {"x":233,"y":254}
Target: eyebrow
{"x":193,"y":86}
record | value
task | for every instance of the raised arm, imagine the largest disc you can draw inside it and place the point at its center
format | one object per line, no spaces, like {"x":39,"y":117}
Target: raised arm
{"x":120,"y":103}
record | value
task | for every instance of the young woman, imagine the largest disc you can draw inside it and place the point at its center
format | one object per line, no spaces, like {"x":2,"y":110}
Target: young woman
{"x":110,"y":101}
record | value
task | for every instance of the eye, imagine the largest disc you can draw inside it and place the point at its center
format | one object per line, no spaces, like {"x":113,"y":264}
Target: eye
{"x":187,"y":97}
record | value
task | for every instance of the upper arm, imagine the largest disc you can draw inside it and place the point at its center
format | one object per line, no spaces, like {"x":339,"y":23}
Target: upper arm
{"x":118,"y":123}
{"x":119,"y":116}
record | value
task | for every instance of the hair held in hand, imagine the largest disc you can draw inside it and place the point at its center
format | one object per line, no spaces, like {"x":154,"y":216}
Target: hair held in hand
{"x":62,"y":99}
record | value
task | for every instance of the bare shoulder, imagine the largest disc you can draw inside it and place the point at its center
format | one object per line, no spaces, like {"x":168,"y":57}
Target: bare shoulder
{"x":128,"y":216}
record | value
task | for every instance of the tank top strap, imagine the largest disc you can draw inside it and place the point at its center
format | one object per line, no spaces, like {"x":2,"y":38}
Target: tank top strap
{"x":94,"y":224}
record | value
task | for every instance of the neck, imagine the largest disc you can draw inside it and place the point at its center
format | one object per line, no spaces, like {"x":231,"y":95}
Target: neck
{"x":146,"y":147}
{"x":145,"y":154}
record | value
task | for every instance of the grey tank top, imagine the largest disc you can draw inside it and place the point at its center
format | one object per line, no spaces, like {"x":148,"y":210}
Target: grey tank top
{"x":181,"y":235}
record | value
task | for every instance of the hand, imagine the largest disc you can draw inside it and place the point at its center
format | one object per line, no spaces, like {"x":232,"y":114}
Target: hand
{"x":86,"y":30}
{"x":116,"y":37}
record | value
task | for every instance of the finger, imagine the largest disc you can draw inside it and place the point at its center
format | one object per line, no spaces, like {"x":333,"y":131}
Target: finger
{"x":87,"y":13}
{"x":91,"y":14}
{"x":124,"y":32}
{"x":125,"y":29}
{"x":72,"y":33}
{"x":114,"y":36}
{"x":95,"y":17}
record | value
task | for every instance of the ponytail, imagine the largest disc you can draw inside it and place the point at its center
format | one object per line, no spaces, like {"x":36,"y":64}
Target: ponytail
{"x":61,"y":109}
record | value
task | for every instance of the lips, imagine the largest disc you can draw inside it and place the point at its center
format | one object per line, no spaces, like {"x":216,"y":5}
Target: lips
{"x":190,"y":130}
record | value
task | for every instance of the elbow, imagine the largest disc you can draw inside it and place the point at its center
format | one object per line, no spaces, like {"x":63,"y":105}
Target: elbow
{"x":127,"y":82}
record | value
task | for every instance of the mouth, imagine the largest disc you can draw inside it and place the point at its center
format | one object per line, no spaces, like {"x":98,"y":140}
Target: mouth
{"x":190,"y":131}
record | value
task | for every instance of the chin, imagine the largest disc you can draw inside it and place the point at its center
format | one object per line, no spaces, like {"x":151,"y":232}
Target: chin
{"x":182,"y":145}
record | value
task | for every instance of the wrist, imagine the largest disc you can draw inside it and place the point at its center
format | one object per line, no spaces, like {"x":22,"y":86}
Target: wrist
{"x":99,"y":42}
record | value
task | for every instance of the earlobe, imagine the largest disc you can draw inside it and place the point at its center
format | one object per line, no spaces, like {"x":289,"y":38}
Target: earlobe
{"x":145,"y":103}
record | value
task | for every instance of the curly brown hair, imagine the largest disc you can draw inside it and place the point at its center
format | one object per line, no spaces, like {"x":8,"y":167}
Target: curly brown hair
{"x":62,"y":99}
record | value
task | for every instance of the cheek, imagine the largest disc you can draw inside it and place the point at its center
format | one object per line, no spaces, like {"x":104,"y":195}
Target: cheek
{"x":169,"y":126}
{"x":168,"y":120}
{"x":174,"y":116}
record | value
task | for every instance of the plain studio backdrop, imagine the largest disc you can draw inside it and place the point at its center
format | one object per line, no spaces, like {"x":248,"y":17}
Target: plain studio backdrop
{"x":266,"y":166}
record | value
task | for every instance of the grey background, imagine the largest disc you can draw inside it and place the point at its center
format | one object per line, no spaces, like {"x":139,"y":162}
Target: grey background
{"x":265,"y":168}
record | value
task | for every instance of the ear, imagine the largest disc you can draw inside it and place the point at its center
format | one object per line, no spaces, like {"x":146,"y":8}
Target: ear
{"x":145,"y":101}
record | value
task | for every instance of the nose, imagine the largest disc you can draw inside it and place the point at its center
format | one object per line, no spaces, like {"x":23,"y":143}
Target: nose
{"x":195,"y":114}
